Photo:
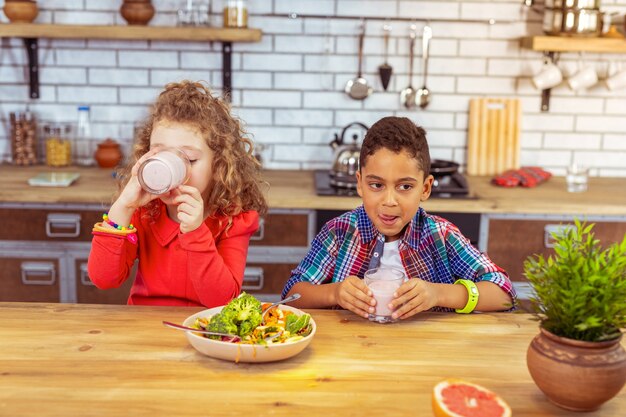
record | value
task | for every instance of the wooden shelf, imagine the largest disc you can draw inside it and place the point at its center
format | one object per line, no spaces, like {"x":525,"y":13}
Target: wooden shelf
{"x":163,"y":33}
{"x":565,"y":44}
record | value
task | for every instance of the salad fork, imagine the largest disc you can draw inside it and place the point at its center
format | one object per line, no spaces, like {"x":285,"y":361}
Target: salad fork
{"x":232,"y":337}
{"x":292,"y":297}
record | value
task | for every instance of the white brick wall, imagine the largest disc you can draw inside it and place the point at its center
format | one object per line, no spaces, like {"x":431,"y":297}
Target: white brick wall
{"x":288,"y":88}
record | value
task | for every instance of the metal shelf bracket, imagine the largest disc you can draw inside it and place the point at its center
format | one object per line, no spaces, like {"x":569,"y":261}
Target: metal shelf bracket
{"x":227,"y":70}
{"x":32,"y":51}
{"x":545,"y":94}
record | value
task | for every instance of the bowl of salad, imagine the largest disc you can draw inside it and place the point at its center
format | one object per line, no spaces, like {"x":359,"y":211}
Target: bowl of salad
{"x":284,"y":332}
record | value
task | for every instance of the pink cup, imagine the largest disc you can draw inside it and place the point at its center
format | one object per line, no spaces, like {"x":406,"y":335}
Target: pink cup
{"x":164,"y":171}
{"x":383,"y":282}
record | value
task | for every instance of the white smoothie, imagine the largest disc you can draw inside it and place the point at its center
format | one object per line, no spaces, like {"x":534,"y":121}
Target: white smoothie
{"x":164,"y":171}
{"x":383,"y":282}
{"x":383,"y":293}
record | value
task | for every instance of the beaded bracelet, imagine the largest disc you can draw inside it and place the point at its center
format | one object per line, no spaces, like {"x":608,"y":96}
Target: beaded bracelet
{"x":105,"y":218}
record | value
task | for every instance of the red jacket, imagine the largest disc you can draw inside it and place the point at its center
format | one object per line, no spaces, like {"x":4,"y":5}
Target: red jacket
{"x":200,"y":268}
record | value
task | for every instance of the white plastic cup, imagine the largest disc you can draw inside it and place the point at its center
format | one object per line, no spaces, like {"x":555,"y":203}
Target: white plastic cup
{"x":584,"y":78}
{"x":549,"y":76}
{"x":164,"y":171}
{"x":383,"y":282}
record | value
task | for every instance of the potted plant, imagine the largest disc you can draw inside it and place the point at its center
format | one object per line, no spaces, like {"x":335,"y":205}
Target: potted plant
{"x":580,"y":300}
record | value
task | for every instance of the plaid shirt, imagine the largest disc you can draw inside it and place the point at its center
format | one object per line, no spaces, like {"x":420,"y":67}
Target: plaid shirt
{"x":432,"y":249}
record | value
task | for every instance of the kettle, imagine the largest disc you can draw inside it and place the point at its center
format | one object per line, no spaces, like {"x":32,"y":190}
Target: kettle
{"x":346,"y":160}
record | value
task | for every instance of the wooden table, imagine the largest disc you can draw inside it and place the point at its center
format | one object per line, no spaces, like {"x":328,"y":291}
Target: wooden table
{"x":83,"y":360}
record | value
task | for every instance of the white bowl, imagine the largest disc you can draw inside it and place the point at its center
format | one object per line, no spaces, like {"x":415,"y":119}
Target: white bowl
{"x":236,"y":352}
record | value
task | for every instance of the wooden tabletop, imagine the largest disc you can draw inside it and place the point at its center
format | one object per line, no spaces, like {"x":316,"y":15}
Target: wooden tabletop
{"x":296,"y":190}
{"x":88,"y":360}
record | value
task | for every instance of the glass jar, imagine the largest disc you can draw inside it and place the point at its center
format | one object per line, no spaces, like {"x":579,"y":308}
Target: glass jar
{"x":236,"y":14}
{"x":58,"y":145}
{"x":23,"y":138}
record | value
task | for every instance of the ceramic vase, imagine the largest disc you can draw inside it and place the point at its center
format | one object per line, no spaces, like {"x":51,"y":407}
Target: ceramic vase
{"x":574,"y":374}
{"x":20,"y":11}
{"x":108,"y":154}
{"x":137,"y":12}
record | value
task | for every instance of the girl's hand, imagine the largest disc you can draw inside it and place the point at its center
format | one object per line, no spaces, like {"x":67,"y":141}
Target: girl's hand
{"x":414,"y":296}
{"x":352,"y":294}
{"x":190,"y":208}
{"x":133,"y":196}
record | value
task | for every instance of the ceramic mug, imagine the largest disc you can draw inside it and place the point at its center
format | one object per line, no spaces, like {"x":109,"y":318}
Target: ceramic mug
{"x":549,"y":76}
{"x":617,"y":80}
{"x":584,"y":78}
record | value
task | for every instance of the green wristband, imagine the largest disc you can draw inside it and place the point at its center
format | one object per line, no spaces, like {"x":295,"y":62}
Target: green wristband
{"x":472,"y":296}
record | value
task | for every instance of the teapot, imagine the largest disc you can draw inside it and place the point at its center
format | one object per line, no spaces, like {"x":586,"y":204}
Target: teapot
{"x":346,"y":159}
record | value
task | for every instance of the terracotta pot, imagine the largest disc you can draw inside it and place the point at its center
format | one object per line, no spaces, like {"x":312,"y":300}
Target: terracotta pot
{"x":137,"y":12}
{"x":576,"y":375}
{"x":20,"y":11}
{"x":108,"y":154}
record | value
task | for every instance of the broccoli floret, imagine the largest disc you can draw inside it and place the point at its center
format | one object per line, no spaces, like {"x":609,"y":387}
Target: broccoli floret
{"x":245,"y":312}
{"x":221,"y":323}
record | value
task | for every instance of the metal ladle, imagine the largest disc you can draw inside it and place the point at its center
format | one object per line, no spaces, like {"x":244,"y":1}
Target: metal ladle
{"x":423,"y":94}
{"x":358,"y":88}
{"x":407,"y":96}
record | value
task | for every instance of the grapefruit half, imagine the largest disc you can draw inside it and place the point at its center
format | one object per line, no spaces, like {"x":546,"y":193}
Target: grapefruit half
{"x":457,"y":398}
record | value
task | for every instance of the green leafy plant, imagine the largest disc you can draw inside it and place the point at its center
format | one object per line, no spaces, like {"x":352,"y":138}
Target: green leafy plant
{"x":580,"y":291}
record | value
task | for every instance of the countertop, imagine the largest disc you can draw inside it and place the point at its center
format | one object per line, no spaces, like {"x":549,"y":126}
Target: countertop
{"x":295,"y":190}
{"x":96,"y":360}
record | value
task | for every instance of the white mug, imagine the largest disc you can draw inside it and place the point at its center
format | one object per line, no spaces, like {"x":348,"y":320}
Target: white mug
{"x":616,"y":80}
{"x":549,"y":76}
{"x":584,"y":78}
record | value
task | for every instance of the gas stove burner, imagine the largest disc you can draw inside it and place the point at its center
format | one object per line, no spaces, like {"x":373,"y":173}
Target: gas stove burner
{"x":445,"y":186}
{"x":342,"y":181}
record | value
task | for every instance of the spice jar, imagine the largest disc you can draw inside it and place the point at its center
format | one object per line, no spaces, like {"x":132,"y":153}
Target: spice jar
{"x":58,"y":146}
{"x":23,"y":138}
{"x":236,"y":14}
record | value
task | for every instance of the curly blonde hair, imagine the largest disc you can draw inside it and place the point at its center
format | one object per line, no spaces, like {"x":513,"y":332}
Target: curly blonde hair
{"x":235,"y":184}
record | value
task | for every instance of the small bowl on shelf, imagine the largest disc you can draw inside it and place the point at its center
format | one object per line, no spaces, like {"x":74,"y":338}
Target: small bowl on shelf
{"x":20,"y":11}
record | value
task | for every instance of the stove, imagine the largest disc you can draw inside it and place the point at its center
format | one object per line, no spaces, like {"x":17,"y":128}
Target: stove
{"x":446,"y":186}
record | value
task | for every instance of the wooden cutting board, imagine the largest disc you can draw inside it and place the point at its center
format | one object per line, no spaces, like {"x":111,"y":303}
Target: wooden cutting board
{"x":493,"y":138}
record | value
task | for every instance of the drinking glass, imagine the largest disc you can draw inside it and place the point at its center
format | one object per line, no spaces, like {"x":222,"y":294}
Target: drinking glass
{"x":577,"y":178}
{"x":383,"y":282}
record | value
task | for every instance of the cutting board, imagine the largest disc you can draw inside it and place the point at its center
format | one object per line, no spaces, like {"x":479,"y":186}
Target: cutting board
{"x":493,"y":138}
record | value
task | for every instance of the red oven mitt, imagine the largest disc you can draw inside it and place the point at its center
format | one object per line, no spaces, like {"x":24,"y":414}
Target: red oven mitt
{"x":525,"y":176}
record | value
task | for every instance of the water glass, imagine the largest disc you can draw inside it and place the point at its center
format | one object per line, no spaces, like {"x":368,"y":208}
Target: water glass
{"x":383,"y":282}
{"x":577,"y":178}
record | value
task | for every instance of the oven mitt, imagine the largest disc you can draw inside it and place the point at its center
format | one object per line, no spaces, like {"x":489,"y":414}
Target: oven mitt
{"x":525,"y":176}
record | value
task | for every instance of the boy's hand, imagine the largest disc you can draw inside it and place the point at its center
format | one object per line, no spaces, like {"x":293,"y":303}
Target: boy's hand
{"x":190,"y":207}
{"x":414,"y":296}
{"x":352,"y":294}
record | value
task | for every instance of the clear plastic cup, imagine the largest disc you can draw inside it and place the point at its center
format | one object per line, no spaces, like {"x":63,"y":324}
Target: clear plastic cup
{"x":383,"y":282}
{"x":164,"y":171}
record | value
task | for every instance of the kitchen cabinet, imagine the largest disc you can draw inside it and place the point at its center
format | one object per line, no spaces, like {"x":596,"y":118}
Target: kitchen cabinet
{"x":512,"y":239}
{"x":282,"y":241}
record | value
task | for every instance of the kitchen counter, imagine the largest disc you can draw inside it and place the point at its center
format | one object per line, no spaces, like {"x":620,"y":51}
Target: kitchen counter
{"x":71,"y":359}
{"x":295,"y":190}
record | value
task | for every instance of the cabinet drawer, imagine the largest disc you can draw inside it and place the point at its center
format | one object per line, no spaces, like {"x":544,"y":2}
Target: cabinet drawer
{"x":262,"y":278}
{"x":511,"y":242}
{"x":87,"y":292}
{"x":54,"y":225}
{"x":282,"y":229}
{"x":30,"y":279}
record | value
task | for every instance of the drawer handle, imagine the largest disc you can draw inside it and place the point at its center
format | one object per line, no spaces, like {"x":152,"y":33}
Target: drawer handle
{"x":555,"y":229}
{"x":63,"y":221}
{"x":253,"y":278}
{"x":84,"y":275}
{"x":260,"y":234}
{"x":38,"y":273}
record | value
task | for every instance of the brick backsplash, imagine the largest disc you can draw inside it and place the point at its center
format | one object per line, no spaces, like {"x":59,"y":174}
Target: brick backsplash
{"x":288,"y":88}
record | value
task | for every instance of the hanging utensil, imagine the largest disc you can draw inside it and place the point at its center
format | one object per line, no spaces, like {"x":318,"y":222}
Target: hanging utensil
{"x":385,"y":70}
{"x":358,"y":88}
{"x":423,"y":94}
{"x":407,"y":96}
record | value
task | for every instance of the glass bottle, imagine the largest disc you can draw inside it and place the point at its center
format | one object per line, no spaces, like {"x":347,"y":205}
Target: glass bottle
{"x":236,"y":14}
{"x":83,"y":155}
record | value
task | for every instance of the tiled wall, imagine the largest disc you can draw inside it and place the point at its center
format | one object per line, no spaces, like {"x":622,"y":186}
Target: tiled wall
{"x":289,"y":87}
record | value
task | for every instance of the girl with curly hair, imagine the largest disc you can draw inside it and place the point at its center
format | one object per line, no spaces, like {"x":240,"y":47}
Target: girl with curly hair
{"x":191,"y":242}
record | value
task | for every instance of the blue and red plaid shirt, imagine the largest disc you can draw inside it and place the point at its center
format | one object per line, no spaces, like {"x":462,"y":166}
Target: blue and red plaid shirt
{"x":432,"y":249}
